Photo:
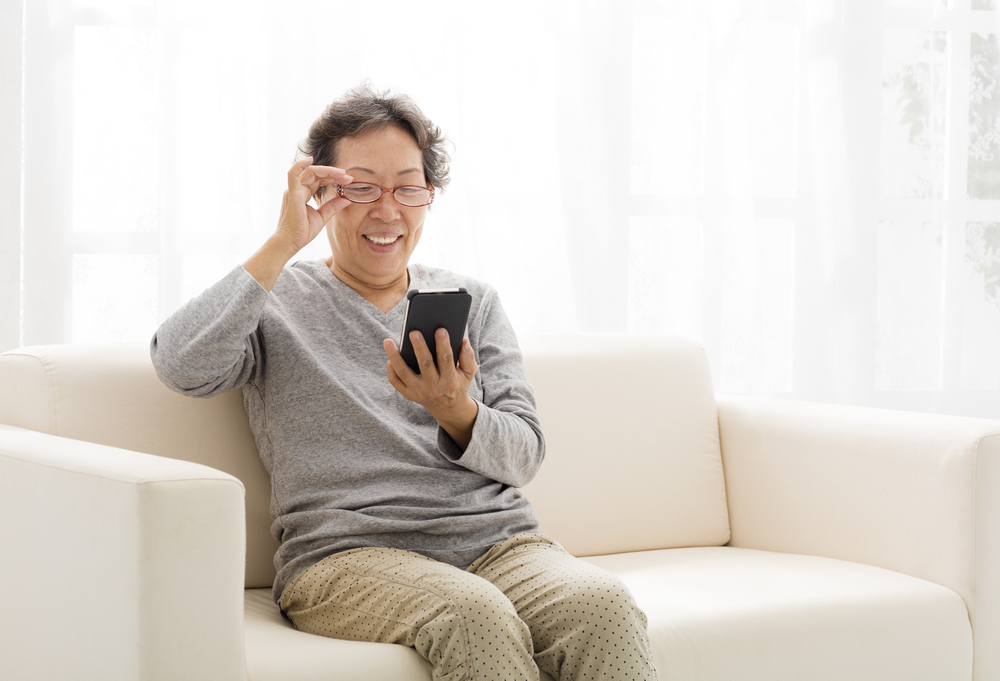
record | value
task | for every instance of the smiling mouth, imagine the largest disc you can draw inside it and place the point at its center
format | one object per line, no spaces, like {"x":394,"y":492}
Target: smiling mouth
{"x":382,"y":240}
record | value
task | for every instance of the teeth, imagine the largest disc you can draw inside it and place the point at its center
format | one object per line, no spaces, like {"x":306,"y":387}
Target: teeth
{"x":382,"y":240}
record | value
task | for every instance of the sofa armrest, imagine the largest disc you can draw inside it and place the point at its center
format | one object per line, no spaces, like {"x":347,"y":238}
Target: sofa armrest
{"x":914,"y":493}
{"x":116,"y":564}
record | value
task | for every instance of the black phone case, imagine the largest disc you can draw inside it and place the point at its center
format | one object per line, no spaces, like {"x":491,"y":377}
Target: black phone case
{"x":427,"y":312}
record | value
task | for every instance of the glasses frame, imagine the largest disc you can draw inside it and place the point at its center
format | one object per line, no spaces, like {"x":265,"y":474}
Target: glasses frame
{"x":391,"y":190}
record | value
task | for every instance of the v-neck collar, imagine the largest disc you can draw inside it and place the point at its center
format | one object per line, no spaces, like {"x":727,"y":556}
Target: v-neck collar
{"x":395,"y":311}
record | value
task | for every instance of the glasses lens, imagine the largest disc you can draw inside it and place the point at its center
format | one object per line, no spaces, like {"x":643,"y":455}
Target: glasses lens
{"x":361,"y":192}
{"x":413,"y":196}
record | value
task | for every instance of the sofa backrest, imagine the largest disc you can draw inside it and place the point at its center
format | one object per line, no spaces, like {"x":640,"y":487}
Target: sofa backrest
{"x":632,"y":440}
{"x":632,"y":460}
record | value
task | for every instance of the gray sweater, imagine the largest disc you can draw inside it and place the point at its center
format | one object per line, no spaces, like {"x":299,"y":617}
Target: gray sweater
{"x":352,"y":462}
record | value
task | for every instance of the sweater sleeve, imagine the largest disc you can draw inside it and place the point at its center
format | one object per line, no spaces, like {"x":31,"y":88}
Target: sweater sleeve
{"x":507,"y":443}
{"x":209,"y":345}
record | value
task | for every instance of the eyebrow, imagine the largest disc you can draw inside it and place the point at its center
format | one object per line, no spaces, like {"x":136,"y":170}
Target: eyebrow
{"x":372,"y":172}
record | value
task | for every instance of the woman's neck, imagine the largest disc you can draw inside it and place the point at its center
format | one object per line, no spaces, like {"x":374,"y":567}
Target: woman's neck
{"x":384,"y":297}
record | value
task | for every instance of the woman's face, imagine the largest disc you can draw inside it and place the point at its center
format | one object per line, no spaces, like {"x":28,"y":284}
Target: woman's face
{"x":372,"y":242}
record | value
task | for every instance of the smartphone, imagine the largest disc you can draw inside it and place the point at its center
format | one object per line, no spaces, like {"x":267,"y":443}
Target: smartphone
{"x":429,"y":309}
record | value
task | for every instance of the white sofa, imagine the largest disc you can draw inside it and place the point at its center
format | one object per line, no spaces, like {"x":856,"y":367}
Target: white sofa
{"x":765,"y":539}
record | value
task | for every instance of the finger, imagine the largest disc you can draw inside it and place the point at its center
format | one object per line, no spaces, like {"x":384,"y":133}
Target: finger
{"x":446,"y":361}
{"x":304,"y":174}
{"x":331,"y":173}
{"x":316,"y":176}
{"x":313,"y":181}
{"x":425,"y":360}
{"x":299,"y":166}
{"x":324,"y":175}
{"x":399,"y":365}
{"x":394,"y":380}
{"x":467,"y":359}
{"x":295,"y":171}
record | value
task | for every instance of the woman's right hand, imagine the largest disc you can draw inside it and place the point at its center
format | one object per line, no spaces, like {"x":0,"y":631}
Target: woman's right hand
{"x":299,"y":222}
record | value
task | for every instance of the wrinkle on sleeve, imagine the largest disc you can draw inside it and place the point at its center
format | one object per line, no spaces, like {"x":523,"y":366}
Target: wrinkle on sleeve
{"x":209,"y":346}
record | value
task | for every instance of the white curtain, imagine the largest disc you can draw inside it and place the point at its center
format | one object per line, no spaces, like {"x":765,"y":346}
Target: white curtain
{"x":811,"y":188}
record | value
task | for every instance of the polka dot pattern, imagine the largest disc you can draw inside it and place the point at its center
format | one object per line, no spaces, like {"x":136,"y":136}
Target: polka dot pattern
{"x":525,"y":605}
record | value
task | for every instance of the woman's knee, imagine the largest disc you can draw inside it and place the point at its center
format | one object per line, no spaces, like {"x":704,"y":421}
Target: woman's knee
{"x":596,"y":598}
{"x":484,"y":612}
{"x":479,"y":627}
{"x":594,"y":625}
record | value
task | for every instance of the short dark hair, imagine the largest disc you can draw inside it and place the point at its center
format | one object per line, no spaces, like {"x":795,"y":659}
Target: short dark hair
{"x":362,"y":109}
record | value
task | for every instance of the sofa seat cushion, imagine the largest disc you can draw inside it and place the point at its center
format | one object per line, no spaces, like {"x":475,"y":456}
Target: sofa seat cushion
{"x":275,"y":650}
{"x":729,"y":613}
{"x":714,"y":613}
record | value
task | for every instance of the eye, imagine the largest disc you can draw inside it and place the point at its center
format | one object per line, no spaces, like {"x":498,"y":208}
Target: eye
{"x":361,"y":191}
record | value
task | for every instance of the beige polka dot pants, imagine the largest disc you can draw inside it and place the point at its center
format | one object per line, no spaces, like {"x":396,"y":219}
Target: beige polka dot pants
{"x":523,"y":606}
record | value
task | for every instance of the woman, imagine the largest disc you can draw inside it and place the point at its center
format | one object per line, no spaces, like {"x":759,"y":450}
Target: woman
{"x":394,"y":494}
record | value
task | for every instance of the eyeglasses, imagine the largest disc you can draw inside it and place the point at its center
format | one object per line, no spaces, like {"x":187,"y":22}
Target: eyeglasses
{"x":366,"y":192}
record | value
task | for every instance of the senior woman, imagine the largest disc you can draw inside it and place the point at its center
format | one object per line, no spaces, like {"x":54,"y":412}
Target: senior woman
{"x":394,"y":494}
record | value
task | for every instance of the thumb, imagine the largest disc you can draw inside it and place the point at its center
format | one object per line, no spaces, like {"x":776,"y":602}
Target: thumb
{"x":327,"y":210}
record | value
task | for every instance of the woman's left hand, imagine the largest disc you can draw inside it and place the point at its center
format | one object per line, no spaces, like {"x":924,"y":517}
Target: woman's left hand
{"x":443,"y":389}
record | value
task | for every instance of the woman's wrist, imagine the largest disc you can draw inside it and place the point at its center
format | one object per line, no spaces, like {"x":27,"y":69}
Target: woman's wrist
{"x":459,"y":422}
{"x":266,"y":264}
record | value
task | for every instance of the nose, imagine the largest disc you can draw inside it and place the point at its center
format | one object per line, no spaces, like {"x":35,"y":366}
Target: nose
{"x":385,"y":208}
